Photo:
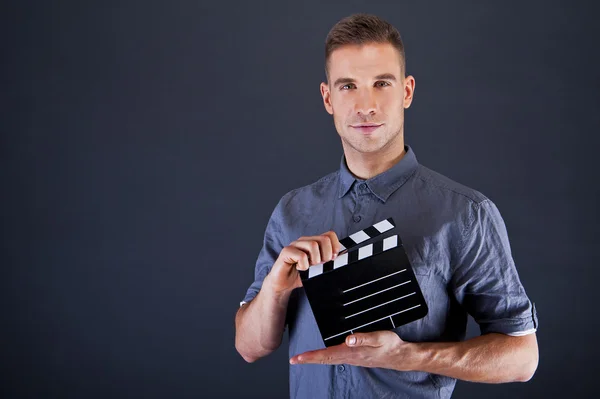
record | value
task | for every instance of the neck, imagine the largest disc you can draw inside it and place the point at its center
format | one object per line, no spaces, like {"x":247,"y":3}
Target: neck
{"x":367,"y":165}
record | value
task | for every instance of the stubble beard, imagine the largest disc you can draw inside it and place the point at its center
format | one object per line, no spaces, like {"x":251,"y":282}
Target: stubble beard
{"x":382,"y":144}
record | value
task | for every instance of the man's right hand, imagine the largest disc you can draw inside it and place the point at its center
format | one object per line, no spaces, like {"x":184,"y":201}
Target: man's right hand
{"x":260,"y":324}
{"x":299,"y":255}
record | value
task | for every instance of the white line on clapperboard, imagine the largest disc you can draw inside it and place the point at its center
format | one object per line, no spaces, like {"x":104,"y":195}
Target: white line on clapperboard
{"x":378,"y":292}
{"x":374,"y":321}
{"x":377,"y":279}
{"x":385,"y":303}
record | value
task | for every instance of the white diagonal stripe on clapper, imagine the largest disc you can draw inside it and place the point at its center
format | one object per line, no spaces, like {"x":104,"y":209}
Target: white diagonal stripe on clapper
{"x":315,"y":270}
{"x":365,"y":251}
{"x":383,"y":226}
{"x":340,"y":261}
{"x":390,"y":242}
{"x":359,"y":237}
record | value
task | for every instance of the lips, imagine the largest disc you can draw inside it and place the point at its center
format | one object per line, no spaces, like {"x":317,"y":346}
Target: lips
{"x":366,"y":128}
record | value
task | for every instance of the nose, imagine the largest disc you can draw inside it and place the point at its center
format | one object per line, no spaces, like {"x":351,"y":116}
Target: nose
{"x":365,"y":103}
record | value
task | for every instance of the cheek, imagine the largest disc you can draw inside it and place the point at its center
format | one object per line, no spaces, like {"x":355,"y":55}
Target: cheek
{"x":339,"y":121}
{"x":391,"y":103}
{"x":342,"y":108}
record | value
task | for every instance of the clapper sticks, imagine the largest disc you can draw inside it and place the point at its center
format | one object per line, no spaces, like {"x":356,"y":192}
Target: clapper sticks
{"x":369,"y":287}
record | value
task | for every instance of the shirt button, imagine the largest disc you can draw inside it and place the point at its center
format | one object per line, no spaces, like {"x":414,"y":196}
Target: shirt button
{"x":341,"y":367}
{"x":356,"y":218}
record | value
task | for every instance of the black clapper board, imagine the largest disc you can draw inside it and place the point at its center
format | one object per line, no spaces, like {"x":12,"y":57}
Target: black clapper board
{"x":366,"y":288}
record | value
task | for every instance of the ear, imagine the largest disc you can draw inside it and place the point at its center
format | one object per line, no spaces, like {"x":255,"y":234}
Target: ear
{"x":409,"y":90}
{"x":326,"y":94}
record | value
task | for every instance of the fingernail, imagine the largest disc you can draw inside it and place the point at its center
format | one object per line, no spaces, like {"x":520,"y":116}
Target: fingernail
{"x":334,"y":255}
{"x":292,"y":361}
{"x":352,"y":341}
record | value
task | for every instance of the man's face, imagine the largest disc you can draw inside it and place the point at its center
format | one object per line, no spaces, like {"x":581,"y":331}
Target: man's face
{"x":366,"y":94}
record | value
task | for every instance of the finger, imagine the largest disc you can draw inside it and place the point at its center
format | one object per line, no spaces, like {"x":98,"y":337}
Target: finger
{"x":295,"y":256}
{"x":338,"y":354}
{"x":325,"y":247}
{"x":336,"y":246}
{"x":311,"y":246}
{"x":364,"y":339}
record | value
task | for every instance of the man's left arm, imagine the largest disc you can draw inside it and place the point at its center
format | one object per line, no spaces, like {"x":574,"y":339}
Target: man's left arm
{"x":491,"y":358}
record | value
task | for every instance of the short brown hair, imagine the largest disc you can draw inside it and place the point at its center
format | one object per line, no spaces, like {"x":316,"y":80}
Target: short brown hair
{"x":362,"y":29}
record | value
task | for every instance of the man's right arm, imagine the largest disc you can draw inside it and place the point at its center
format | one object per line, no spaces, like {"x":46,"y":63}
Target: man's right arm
{"x":259,"y":324}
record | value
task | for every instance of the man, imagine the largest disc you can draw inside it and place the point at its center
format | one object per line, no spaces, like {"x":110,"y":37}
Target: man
{"x":454,"y":236}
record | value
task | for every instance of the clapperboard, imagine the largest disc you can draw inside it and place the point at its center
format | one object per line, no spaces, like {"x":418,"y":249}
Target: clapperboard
{"x":370,"y":286}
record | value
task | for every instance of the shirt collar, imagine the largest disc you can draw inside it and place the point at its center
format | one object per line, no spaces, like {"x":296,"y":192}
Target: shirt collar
{"x":384,"y":184}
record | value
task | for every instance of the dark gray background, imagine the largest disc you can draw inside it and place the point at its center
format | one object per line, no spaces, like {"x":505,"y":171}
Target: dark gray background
{"x":145,"y":144}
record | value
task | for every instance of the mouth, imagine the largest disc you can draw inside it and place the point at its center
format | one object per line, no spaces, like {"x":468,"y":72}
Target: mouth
{"x":367,"y":128}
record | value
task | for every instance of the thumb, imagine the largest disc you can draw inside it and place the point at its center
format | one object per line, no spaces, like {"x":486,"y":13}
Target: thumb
{"x":363,"y":339}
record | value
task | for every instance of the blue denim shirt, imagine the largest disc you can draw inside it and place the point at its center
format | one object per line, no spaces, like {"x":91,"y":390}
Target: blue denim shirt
{"x":456,"y":242}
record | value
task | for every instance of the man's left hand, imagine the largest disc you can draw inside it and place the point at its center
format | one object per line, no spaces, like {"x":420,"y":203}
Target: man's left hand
{"x":376,"y":349}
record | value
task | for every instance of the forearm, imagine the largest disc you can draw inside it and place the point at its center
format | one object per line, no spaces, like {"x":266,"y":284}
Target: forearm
{"x":260,"y":323}
{"x":491,"y":358}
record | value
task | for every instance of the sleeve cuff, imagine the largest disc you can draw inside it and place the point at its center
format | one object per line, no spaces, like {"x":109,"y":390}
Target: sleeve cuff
{"x":516,"y":326}
{"x":522,"y":333}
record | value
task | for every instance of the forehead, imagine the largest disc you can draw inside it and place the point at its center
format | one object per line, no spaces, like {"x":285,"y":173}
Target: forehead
{"x":365,"y":59}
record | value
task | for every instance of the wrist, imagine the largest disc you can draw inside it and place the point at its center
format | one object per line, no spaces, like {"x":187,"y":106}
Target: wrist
{"x":281,"y":297}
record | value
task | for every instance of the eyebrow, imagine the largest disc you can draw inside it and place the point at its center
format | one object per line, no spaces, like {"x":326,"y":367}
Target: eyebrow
{"x":383,"y":76}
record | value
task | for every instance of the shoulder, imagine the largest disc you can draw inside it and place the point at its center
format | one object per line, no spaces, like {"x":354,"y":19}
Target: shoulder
{"x":318,"y":191}
{"x":450,"y":200}
{"x":446,"y":189}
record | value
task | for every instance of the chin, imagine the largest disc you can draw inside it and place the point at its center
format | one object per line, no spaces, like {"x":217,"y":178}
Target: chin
{"x":364,"y":145}
{"x":368,"y":149}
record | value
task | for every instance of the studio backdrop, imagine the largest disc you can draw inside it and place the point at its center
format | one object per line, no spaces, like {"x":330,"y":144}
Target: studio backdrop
{"x":144,"y":145}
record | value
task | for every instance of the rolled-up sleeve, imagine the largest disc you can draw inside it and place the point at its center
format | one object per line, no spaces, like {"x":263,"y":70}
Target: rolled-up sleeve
{"x":272,"y":246}
{"x":485,"y":280}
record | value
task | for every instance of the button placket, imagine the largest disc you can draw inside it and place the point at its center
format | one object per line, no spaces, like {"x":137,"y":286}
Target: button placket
{"x":357,"y":192}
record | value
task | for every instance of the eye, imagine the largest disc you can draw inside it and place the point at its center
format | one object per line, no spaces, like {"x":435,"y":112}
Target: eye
{"x":348,"y":86}
{"x":382,"y":83}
